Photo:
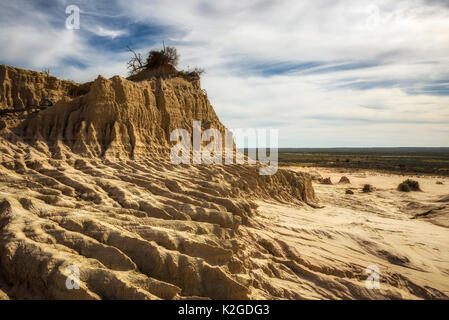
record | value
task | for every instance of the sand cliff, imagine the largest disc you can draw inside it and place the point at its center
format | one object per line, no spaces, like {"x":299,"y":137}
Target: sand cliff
{"x":88,"y":182}
{"x":24,"y":88}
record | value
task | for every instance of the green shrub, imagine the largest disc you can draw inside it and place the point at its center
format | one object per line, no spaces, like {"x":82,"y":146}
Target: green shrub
{"x":349,"y":192}
{"x":409,"y":185}
{"x":367,"y":188}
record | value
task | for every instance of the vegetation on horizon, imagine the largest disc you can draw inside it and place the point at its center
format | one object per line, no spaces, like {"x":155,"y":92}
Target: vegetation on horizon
{"x":405,"y":161}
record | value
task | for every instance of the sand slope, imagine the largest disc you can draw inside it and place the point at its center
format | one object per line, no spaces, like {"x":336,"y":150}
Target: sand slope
{"x":334,"y":245}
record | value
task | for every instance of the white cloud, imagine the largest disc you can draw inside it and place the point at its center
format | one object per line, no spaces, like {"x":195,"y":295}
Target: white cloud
{"x":31,"y":41}
{"x":401,"y":49}
{"x":289,"y":30}
{"x":311,"y":115}
{"x":103,"y":32}
{"x":407,"y":42}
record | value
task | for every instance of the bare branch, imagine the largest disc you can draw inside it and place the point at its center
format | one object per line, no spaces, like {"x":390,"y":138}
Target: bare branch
{"x":135,"y":64}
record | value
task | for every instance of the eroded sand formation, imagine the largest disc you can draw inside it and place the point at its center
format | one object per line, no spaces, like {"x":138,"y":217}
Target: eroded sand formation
{"x":88,"y":182}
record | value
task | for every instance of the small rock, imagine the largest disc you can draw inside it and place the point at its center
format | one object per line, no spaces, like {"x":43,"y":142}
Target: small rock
{"x":349,"y":192}
{"x":326,"y":181}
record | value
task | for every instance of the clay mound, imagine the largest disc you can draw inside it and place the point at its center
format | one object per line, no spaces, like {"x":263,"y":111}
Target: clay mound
{"x":88,"y":183}
{"x":316,"y":176}
{"x":326,"y":181}
{"x":344,"y":180}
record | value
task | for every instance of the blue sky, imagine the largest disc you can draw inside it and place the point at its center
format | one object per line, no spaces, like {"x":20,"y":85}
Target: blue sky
{"x":325,"y":73}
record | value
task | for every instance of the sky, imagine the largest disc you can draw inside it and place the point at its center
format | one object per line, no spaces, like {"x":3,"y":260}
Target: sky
{"x":325,"y":73}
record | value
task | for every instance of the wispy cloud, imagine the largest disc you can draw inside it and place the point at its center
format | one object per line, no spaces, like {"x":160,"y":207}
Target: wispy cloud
{"x":103,"y":32}
{"x":326,"y":73}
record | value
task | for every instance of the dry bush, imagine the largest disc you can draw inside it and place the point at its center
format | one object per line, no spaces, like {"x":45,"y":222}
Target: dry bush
{"x":156,"y":59}
{"x":409,"y":185}
{"x":136,"y":63}
{"x":403,"y":187}
{"x":161,"y":58}
{"x":161,"y":63}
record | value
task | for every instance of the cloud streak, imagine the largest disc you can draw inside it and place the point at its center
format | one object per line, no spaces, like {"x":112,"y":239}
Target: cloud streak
{"x":326,"y":73}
